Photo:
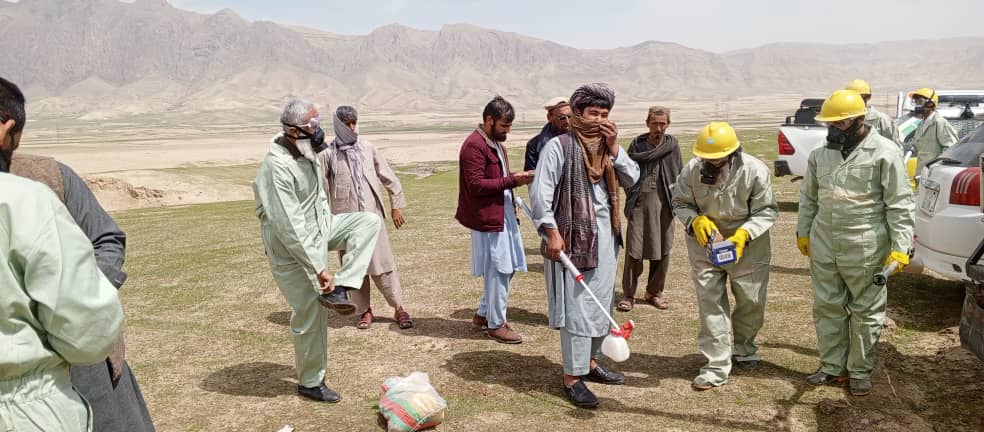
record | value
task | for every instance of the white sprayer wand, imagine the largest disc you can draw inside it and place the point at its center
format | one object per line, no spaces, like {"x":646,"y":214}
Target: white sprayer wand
{"x":617,"y":349}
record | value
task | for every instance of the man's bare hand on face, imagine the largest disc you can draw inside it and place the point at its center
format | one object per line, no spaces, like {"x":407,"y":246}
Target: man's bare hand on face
{"x":609,"y":130}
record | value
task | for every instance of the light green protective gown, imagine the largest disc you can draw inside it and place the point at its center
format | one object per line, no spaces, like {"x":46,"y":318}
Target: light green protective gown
{"x":855,"y":212}
{"x":56,"y":309}
{"x":933,"y":137}
{"x":741,"y":198}
{"x":883,"y":125}
{"x":298,"y":230}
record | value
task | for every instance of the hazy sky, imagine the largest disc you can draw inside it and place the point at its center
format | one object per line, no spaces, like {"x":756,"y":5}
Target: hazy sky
{"x":714,"y":25}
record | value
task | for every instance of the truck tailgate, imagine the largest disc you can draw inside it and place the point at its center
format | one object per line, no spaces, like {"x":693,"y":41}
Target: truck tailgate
{"x":803,"y":139}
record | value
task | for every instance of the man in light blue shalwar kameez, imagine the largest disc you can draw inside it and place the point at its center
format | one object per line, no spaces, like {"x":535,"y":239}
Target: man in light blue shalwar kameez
{"x":573,"y":195}
{"x":496,"y":256}
{"x":485,"y":206}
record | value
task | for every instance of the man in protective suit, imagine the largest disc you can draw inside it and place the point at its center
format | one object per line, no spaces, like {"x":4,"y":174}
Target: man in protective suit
{"x":855,"y":216}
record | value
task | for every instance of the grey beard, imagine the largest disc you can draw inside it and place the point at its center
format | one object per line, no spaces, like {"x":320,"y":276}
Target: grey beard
{"x":304,"y":146}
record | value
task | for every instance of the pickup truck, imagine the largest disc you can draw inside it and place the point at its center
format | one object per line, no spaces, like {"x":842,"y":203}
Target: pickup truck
{"x":798,"y":136}
{"x":800,"y":133}
{"x":953,"y":104}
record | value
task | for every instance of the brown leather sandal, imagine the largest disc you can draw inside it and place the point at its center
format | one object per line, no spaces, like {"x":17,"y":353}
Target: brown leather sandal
{"x":403,"y":319}
{"x":625,"y":304}
{"x":365,"y":321}
{"x":658,"y":301}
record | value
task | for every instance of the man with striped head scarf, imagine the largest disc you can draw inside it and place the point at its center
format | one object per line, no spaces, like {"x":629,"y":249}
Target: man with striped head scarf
{"x":575,"y":201}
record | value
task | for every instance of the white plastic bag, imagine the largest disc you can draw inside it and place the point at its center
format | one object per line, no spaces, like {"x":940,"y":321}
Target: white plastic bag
{"x":411,"y":404}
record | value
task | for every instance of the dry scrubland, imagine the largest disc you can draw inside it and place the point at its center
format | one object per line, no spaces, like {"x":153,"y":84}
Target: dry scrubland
{"x":208,"y":336}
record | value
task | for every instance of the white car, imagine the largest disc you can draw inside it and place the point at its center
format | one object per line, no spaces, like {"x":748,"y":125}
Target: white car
{"x":949,"y":218}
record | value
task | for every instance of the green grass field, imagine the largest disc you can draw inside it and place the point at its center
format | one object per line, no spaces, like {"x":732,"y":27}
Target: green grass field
{"x":208,"y":336}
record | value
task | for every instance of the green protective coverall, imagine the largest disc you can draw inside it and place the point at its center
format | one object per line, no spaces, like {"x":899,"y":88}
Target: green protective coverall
{"x":741,"y":198}
{"x":855,"y":212}
{"x":56,"y":309}
{"x":882,"y":124}
{"x":298,"y":230}
{"x":933,"y":136}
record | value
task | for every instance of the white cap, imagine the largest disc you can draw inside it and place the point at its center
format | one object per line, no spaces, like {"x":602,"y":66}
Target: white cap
{"x":556,"y":102}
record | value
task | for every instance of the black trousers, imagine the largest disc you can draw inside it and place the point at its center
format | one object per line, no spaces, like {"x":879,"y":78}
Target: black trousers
{"x":120,"y":409}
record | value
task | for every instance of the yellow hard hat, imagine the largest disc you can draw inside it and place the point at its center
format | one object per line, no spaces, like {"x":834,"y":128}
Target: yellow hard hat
{"x":843,"y":104}
{"x":927,"y":93}
{"x":860,"y":86}
{"x":715,"y":141}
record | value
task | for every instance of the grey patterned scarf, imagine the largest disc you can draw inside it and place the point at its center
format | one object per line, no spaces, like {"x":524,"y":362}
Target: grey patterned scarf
{"x":346,"y":144}
{"x":574,"y":209}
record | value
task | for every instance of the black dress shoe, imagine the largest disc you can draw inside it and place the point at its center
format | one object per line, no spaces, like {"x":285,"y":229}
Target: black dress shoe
{"x":605,"y":376}
{"x":320,"y":393}
{"x":580,"y":396}
{"x":338,"y":301}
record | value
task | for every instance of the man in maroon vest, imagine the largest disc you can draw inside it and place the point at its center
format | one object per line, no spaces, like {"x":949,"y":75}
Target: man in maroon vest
{"x":485,"y":205}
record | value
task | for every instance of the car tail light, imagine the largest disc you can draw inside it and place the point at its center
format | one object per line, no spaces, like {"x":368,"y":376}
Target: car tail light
{"x":785,"y":148}
{"x":966,"y":188}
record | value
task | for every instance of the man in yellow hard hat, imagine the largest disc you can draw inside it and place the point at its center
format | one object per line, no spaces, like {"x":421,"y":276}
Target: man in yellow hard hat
{"x":878,"y":121}
{"x":855,"y":216}
{"x":935,"y":134}
{"x":724,"y":193}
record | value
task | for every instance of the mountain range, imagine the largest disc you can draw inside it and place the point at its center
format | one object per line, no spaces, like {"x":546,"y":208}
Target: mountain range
{"x":106,"y":58}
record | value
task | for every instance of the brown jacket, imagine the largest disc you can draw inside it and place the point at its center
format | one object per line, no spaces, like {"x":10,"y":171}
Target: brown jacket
{"x":343,"y":199}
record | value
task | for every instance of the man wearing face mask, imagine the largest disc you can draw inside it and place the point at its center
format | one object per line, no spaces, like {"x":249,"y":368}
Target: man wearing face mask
{"x":485,"y":206}
{"x":724,"y":193}
{"x":354,"y":176}
{"x":558,"y":122}
{"x":934,"y":134}
{"x":575,"y":200}
{"x":878,"y":121}
{"x":855,"y":217}
{"x":649,"y":235}
{"x":298,"y":230}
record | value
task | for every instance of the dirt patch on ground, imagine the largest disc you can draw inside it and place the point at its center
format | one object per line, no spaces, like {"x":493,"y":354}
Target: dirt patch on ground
{"x":148,"y":188}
